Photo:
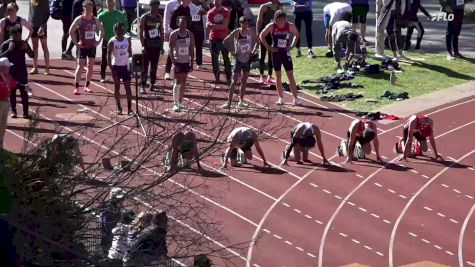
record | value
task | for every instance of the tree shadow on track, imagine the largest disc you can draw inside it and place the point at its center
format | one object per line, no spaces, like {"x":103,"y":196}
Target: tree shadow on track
{"x":26,"y":128}
{"x":79,"y":102}
{"x":34,"y":104}
{"x":321,"y":167}
{"x":51,"y":82}
{"x":446,"y":163}
{"x":389,"y":166}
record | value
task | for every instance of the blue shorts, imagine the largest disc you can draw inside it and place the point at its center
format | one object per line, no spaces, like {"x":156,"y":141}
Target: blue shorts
{"x":326,"y":20}
{"x":282,"y":58}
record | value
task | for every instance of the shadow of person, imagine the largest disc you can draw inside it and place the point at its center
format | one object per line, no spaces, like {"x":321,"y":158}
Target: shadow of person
{"x":449,"y":163}
{"x":442,"y":69}
{"x":209,"y":173}
{"x":269,"y":170}
{"x":396,"y":167}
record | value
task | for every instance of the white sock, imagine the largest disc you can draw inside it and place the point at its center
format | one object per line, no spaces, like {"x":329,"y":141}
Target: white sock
{"x":176,"y":92}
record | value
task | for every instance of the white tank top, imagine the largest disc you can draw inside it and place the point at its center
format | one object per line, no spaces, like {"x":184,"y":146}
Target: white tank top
{"x":120,"y":55}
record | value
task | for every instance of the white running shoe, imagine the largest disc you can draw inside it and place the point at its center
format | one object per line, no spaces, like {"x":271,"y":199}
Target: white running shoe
{"x":167,"y":76}
{"x":28,"y":90}
{"x":176,"y":108}
{"x":450,"y":57}
{"x":280,"y":102}
{"x":182,"y":106}
{"x":243,"y":104}
{"x":226,"y":105}
{"x":297,"y":102}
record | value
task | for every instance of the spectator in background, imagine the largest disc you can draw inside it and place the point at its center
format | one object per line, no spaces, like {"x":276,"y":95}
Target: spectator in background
{"x":15,"y":49}
{"x":266,"y":16}
{"x":454,"y":27}
{"x":12,"y":20}
{"x":109,"y":17}
{"x":39,"y":15}
{"x":344,"y":36}
{"x":235,"y":12}
{"x":412,"y":22}
{"x":331,"y":14}
{"x":151,"y":244}
{"x":151,"y":37}
{"x":140,"y":222}
{"x":360,"y":10}
{"x":6,"y":84}
{"x":393,"y":29}
{"x":110,"y":216}
{"x":120,"y":242}
{"x":3,"y":7}
{"x":217,"y":23}
{"x":173,"y":10}
{"x":197,"y":28}
{"x":130,"y":9}
{"x":67,"y":20}
{"x":303,"y":11}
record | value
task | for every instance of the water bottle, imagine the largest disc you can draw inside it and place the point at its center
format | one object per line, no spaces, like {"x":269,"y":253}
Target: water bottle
{"x":392,"y":78}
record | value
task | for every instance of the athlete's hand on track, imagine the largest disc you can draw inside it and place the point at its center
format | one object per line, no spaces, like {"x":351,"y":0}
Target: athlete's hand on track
{"x":379,"y":160}
{"x":326,"y":162}
{"x":402,"y":158}
{"x":348,"y":160}
{"x":223,"y":167}
{"x":284,"y":162}
{"x":266,"y":165}
{"x":439,"y":157}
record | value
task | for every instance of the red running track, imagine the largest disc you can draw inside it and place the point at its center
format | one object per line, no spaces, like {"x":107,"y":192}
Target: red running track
{"x":378,"y":215}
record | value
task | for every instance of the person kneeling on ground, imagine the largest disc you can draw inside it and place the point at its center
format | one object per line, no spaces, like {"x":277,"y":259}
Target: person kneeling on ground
{"x":419,"y":127}
{"x":302,"y":138}
{"x":184,"y":144}
{"x":118,"y":52}
{"x":243,"y":39}
{"x":344,"y":37}
{"x":360,"y":134}
{"x":242,"y":138}
{"x":120,"y":241}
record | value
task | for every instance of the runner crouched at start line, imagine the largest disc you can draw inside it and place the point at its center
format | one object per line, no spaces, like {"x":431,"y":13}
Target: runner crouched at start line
{"x":360,"y":134}
{"x":240,"y":142}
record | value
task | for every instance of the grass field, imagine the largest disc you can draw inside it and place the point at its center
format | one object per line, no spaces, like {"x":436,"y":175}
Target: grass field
{"x":425,"y":74}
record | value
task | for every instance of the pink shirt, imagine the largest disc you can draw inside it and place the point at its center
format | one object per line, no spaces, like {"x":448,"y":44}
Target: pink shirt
{"x":217,"y":16}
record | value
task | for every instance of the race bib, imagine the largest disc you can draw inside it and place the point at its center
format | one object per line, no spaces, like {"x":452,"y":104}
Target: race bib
{"x":281,"y":43}
{"x":245,"y":48}
{"x":460,"y":2}
{"x":90,"y":35}
{"x":218,"y":19}
{"x":196,"y":18}
{"x":153,"y":33}
{"x":122,"y":53}
{"x":183,"y":51}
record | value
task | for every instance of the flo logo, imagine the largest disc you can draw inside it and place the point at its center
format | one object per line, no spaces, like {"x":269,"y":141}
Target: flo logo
{"x":442,"y":17}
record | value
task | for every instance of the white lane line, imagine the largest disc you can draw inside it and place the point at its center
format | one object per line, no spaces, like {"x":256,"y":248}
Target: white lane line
{"x":392,"y":191}
{"x":314,"y":185}
{"x":278,"y":237}
{"x":471,"y":168}
{"x":288,"y":243}
{"x":326,"y":191}
{"x":265,"y":230}
{"x":375,"y":215}
{"x":308,"y":216}
{"x":427,"y":208}
{"x":462,"y":233}
{"x":441,"y":215}
{"x":412,"y":234}
{"x":450,"y":253}
{"x":311,"y":255}
{"x":338,"y":197}
{"x":342,"y":234}
{"x":386,"y":221}
{"x":425,"y":241}
{"x":454,"y":221}
{"x":452,"y":159}
{"x":438,"y":247}
{"x":444,"y":185}
{"x":351,"y":203}
{"x":470,"y":263}
{"x":413,"y":198}
{"x":414,"y":171}
{"x":285,"y":204}
{"x":378,"y":185}
{"x":367,"y":247}
{"x":299,"y":248}
{"x":319,"y":222}
{"x":425,"y":176}
{"x":255,"y":265}
{"x":469,"y":196}
{"x":298,"y":211}
{"x":363,"y":210}
{"x":380,"y":254}
{"x":384,"y":157}
{"x":355,"y":241}
{"x":456,"y":191}
{"x":360,"y":176}
{"x":402,"y":196}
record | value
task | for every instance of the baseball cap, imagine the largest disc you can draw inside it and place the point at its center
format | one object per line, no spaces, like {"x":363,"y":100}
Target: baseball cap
{"x":4,"y":62}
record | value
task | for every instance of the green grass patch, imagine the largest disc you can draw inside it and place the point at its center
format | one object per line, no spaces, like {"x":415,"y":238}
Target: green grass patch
{"x":426,"y":74}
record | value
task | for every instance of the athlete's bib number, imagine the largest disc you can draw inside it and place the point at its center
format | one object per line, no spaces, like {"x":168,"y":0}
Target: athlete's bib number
{"x":196,"y":18}
{"x":245,"y":48}
{"x":460,"y":2}
{"x":183,"y":51}
{"x":90,"y":35}
{"x":153,"y":33}
{"x":122,"y":53}
{"x":282,"y":43}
